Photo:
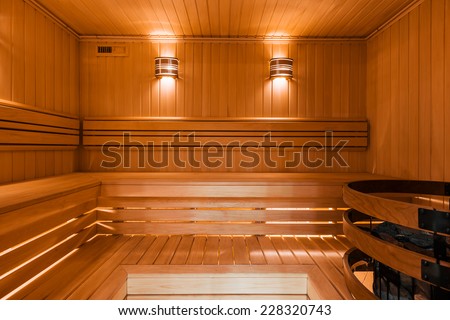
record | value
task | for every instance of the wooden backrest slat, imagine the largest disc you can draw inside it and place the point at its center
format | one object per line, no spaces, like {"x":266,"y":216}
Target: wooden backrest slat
{"x":14,"y":137}
{"x":226,"y":132}
{"x":250,"y":124}
{"x":215,"y":134}
{"x":37,"y":116}
{"x":36,"y":128}
{"x":24,"y":126}
{"x":226,"y":142}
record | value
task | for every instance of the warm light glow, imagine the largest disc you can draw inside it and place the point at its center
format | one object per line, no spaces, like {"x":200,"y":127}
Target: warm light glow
{"x":280,"y":84}
{"x":161,"y":34}
{"x":167,"y":83}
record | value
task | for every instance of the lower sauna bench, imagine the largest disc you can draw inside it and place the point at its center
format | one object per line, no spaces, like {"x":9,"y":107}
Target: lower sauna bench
{"x":126,"y":236}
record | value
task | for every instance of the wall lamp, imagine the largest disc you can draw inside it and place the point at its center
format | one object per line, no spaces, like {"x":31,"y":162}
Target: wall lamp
{"x":281,"y":68}
{"x":166,"y":67}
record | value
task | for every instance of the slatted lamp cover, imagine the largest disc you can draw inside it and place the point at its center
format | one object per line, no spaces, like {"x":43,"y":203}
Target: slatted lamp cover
{"x":166,"y":67}
{"x":281,"y":68}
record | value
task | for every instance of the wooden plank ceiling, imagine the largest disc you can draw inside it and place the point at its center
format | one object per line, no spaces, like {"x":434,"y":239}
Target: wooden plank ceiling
{"x":226,"y":18}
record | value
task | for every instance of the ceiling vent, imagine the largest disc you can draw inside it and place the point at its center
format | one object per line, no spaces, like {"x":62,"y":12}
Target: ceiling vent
{"x":112,"y":51}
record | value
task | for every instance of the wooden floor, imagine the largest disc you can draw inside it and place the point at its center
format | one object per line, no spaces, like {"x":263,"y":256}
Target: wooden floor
{"x":84,"y":270}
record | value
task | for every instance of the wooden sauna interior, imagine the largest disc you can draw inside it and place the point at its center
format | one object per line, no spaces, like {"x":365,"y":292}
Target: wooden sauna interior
{"x":261,"y":217}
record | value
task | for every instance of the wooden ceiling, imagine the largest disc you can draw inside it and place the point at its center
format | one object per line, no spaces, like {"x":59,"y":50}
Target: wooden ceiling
{"x":226,"y":18}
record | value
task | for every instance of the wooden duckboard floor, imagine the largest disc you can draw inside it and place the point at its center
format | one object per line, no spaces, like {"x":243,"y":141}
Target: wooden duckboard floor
{"x":122,"y":266}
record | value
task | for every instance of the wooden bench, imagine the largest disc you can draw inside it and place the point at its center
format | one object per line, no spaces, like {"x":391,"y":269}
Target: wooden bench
{"x":226,"y":203}
{"x":41,"y":222}
{"x":84,"y":226}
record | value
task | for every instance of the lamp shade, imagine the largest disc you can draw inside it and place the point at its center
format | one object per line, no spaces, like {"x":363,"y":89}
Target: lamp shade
{"x":166,"y":67}
{"x":281,"y":68}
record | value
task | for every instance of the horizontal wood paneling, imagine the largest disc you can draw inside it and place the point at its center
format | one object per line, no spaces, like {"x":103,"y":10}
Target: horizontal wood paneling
{"x":31,"y":128}
{"x":408,"y":98}
{"x":39,"y":63}
{"x":221,"y":143}
{"x":218,"y":215}
{"x":217,"y":228}
{"x":223,"y":203}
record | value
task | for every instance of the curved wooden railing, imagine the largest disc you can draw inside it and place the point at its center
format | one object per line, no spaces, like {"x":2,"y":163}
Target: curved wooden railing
{"x":351,"y":258}
{"x":419,"y":205}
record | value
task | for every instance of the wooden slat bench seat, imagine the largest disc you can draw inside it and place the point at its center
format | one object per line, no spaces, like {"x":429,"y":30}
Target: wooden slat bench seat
{"x":226,"y":203}
{"x":41,"y":222}
{"x":93,"y":271}
{"x":86,"y":226}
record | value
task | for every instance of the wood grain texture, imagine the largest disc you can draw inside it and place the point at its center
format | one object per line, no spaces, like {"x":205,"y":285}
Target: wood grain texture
{"x":407,"y":98}
{"x":14,"y":280}
{"x":358,"y":290}
{"x":39,"y":68}
{"x":201,"y":18}
{"x":216,"y":228}
{"x":98,"y":270}
{"x":23,"y":254}
{"x":210,"y":86}
{"x":19,"y":195}
{"x":398,"y":258}
{"x":247,"y":93}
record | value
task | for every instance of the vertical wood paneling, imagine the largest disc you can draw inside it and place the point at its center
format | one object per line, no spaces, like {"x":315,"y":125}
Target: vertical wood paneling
{"x":30,"y":58}
{"x":437,"y":89}
{"x":394,"y":101}
{"x":413,"y":96}
{"x":18,"y":51}
{"x":447,"y":93}
{"x":345,"y":81}
{"x":39,"y":67}
{"x":409,"y":114}
{"x":228,"y":79}
{"x":403,"y":109}
{"x":372,"y":90}
{"x":425,"y":90}
{"x":6,"y":7}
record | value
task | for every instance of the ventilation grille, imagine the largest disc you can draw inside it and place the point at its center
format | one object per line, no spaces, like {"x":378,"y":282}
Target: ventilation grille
{"x":112,"y":51}
{"x":104,"y":49}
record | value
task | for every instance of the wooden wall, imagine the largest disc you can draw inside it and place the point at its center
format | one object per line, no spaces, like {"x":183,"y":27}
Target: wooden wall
{"x":226,"y":79}
{"x":39,"y":61}
{"x":408,"y":95}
